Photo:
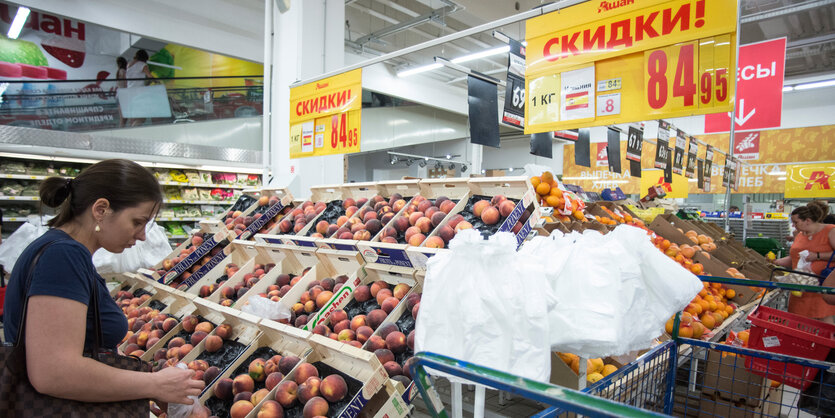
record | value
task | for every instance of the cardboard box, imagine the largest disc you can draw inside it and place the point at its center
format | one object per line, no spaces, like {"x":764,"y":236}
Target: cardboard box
{"x":365,"y":373}
{"x":712,"y":406}
{"x":285,"y":340}
{"x":727,"y":378}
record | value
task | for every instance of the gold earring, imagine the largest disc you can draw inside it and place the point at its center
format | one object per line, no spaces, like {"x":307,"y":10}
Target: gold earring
{"x":98,"y":228}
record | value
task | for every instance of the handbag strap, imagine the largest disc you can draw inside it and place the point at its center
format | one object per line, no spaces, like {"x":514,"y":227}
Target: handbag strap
{"x":29,"y":275}
{"x":830,"y":259}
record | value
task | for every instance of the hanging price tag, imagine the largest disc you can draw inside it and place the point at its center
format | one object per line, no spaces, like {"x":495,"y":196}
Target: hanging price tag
{"x":514,"y":97}
{"x":662,"y":147}
{"x":726,"y":171}
{"x":634,"y":143}
{"x":692,"y":152}
{"x":678,"y":157}
{"x":708,"y":168}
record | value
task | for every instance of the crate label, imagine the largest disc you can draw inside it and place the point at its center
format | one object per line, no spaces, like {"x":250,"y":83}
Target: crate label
{"x":514,"y":216}
{"x":303,"y":243}
{"x":361,"y":399}
{"x":336,"y":302}
{"x":212,"y":263}
{"x":523,"y":234}
{"x":411,"y":393}
{"x":387,"y":256}
{"x":772,"y":341}
{"x":192,"y":258}
{"x":273,"y":240}
{"x":343,"y":247}
{"x":259,"y":223}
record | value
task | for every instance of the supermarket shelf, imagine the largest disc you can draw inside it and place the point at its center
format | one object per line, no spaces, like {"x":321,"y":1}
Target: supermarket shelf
{"x":770,"y":228}
{"x":20,"y":198}
{"x":199,"y":202}
{"x":25,"y":176}
{"x":15,"y":219}
{"x":178,"y":237}
{"x":211,"y":185}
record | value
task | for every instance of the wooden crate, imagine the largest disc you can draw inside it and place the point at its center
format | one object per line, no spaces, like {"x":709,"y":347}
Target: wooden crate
{"x":332,"y":264}
{"x":251,"y":254}
{"x":234,"y":253}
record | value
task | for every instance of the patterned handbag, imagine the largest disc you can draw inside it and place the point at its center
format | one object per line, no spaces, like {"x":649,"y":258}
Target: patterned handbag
{"x":19,"y":399}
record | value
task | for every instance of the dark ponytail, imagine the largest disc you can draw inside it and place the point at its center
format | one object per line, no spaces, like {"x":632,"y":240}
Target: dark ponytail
{"x":122,"y":182}
{"x":809,"y":212}
{"x":822,"y":205}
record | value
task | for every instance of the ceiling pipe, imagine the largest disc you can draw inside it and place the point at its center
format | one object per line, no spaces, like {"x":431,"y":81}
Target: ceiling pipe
{"x":407,"y":24}
{"x":782,"y":11}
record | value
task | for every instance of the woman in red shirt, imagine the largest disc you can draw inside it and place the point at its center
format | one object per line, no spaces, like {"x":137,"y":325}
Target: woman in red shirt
{"x":819,"y":239}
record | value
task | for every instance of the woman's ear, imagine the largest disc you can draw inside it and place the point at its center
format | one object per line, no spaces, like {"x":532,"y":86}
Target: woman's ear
{"x":100,"y":208}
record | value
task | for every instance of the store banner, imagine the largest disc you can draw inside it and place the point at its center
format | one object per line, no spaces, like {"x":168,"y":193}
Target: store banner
{"x":678,"y":157}
{"x":675,"y":188}
{"x":662,"y":144}
{"x":514,"y":96}
{"x":692,"y":155}
{"x":604,"y":63}
{"x":483,"y":99}
{"x":613,"y":150}
{"x":759,"y":89}
{"x":810,"y":181}
{"x":325,"y":116}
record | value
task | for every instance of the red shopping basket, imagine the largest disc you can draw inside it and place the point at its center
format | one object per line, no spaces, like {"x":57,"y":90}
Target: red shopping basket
{"x":780,"y":332}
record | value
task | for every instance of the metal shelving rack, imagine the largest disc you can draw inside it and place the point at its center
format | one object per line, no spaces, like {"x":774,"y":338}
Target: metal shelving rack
{"x":777,"y":229}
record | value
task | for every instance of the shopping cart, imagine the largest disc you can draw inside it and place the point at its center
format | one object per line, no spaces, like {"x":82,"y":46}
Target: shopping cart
{"x":683,"y":377}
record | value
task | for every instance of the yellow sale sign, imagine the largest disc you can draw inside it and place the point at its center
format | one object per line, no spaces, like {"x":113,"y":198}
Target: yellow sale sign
{"x":810,"y":181}
{"x":648,"y":57}
{"x":677,"y":189}
{"x":325,"y":116}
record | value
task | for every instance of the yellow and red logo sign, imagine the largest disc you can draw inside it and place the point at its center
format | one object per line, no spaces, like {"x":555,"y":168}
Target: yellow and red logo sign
{"x":677,"y":189}
{"x":810,"y":181}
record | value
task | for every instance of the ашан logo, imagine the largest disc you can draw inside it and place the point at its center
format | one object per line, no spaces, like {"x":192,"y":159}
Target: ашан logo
{"x":606,"y":6}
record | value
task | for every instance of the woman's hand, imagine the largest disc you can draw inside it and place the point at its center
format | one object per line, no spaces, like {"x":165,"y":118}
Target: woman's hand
{"x":783,"y":262}
{"x":175,"y":385}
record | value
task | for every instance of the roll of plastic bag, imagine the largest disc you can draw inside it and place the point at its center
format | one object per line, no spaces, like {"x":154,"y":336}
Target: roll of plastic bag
{"x":144,"y":254}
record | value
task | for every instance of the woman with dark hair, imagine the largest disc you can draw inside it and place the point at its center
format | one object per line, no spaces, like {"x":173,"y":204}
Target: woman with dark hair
{"x":107,"y":206}
{"x":121,"y":72}
{"x":828,"y":218}
{"x":819,"y":239}
{"x":138,"y":69}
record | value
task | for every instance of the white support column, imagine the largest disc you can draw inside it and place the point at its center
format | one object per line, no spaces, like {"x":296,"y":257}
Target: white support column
{"x":309,"y":42}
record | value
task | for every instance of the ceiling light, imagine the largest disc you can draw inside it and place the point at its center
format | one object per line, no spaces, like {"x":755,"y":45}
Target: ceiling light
{"x":438,"y":165}
{"x":819,"y":84}
{"x":787,"y":88}
{"x":482,"y":54}
{"x":777,"y":173}
{"x":422,"y":163}
{"x":483,"y":171}
{"x":418,"y":70}
{"x":18,"y":22}
{"x":464,"y":168}
{"x":451,"y":166}
{"x":393,"y":160}
{"x":409,"y":162}
{"x":448,"y":156}
{"x":780,"y":178}
{"x":510,"y":169}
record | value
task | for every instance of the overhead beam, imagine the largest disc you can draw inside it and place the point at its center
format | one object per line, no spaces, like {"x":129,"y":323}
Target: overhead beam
{"x":782,"y":11}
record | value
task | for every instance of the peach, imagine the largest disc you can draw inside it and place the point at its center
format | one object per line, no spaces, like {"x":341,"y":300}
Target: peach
{"x":286,"y":393}
{"x":321,"y":329}
{"x":333,"y":388}
{"x":382,"y":295}
{"x":506,"y":207}
{"x":210,"y":375}
{"x":353,"y":343}
{"x":446,"y":206}
{"x":339,"y":314}
{"x":423,"y":206}
{"x":168,"y":324}
{"x":130,"y":348}
{"x":410,"y":340}
{"x":341,"y":325}
{"x":161,"y":354}
{"x":393,"y":369}
{"x":223,"y":388}
{"x":301,"y":321}
{"x":401,"y":224}
{"x":416,"y":239}
{"x":246,"y":396}
{"x":348,"y":203}
{"x":490,"y":215}
{"x":257,"y":370}
{"x":271,"y":366}
{"x":413,"y":230}
{"x":387,"y":329}
{"x":401,"y":290}
{"x":303,"y":371}
{"x":398,"y":205}
{"x":258,"y":396}
{"x":327,"y":283}
{"x":204,"y":326}
{"x":189,"y":323}
{"x":271,"y":409}
{"x":243,"y":383}
{"x":363,"y":293}
{"x":358,"y":321}
{"x":413,"y":218}
{"x":435,"y":242}
{"x":389,"y":304}
{"x":273,"y":379}
{"x":389,"y":240}
{"x":497,"y":200}
{"x":437,"y":218}
{"x":184,"y":350}
{"x":376,"y":318}
{"x":462,"y":226}
{"x":396,"y":342}
{"x":309,"y":389}
{"x":224,"y":331}
{"x":346,"y":335}
{"x":323,"y":298}
{"x":362,"y":236}
{"x":424,"y":224}
{"x":377,"y":286}
{"x":315,"y":407}
{"x":310,"y":306}
{"x":479,"y":207}
{"x":384,"y":355}
{"x":373,"y":226}
{"x":213,"y":343}
{"x":415,"y":310}
{"x":363,"y":333}
{"x":176,"y":342}
{"x":322,"y":227}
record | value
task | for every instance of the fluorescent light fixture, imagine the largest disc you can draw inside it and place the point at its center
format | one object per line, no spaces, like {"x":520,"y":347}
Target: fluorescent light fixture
{"x":581,"y":178}
{"x":781,"y":178}
{"x":483,"y":54}
{"x":787,"y":88}
{"x":692,"y":180}
{"x":777,"y":173}
{"x":18,"y":22}
{"x":819,"y":84}
{"x":421,"y":69}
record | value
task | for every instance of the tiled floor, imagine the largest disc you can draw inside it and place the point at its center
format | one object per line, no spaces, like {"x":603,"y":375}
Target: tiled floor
{"x":789,"y":408}
{"x":516,"y":407}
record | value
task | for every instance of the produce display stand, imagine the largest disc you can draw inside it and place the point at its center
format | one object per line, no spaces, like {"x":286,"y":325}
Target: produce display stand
{"x":246,"y":255}
{"x":235,"y":253}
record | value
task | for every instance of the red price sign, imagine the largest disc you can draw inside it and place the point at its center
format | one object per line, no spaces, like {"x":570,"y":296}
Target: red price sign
{"x":325,"y":116}
{"x":688,"y":75}
{"x":341,"y":135}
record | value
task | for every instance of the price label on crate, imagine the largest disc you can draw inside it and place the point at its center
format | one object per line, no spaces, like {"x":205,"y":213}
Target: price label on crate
{"x":325,"y":116}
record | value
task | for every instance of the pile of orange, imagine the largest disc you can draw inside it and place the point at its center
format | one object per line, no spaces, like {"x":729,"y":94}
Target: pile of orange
{"x":680,"y":254}
{"x":550,"y":195}
{"x":702,"y":241}
{"x":596,"y":368}
{"x":708,"y":310}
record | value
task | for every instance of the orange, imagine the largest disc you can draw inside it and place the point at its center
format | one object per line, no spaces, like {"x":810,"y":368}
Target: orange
{"x":729,"y":309}
{"x":693,"y":239}
{"x":543,"y":189}
{"x":705,"y":305}
{"x":669,"y":325}
{"x":686,"y":318}
{"x":665,"y":244}
{"x":628,"y":218}
{"x":547,"y":177}
{"x":535,"y":180}
{"x":567,"y":358}
{"x":702,"y":292}
{"x":555,"y":191}
{"x":552,"y":201}
{"x":598,"y":365}
{"x":690,"y":233}
{"x":593,"y":377}
{"x":698,"y":330}
{"x":703,"y":239}
{"x":708,"y":321}
{"x":713,"y":305}
{"x":743,"y":335}
{"x":578,"y":215}
{"x":685,"y":331}
{"x":609,"y":369}
{"x":697,"y":268}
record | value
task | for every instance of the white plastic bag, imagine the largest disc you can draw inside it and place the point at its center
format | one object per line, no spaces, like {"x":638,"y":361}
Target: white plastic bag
{"x":484,"y":304}
{"x":177,"y":410}
{"x":13,"y":246}
{"x":803,"y":264}
{"x":142,"y":255}
{"x":265,"y":308}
